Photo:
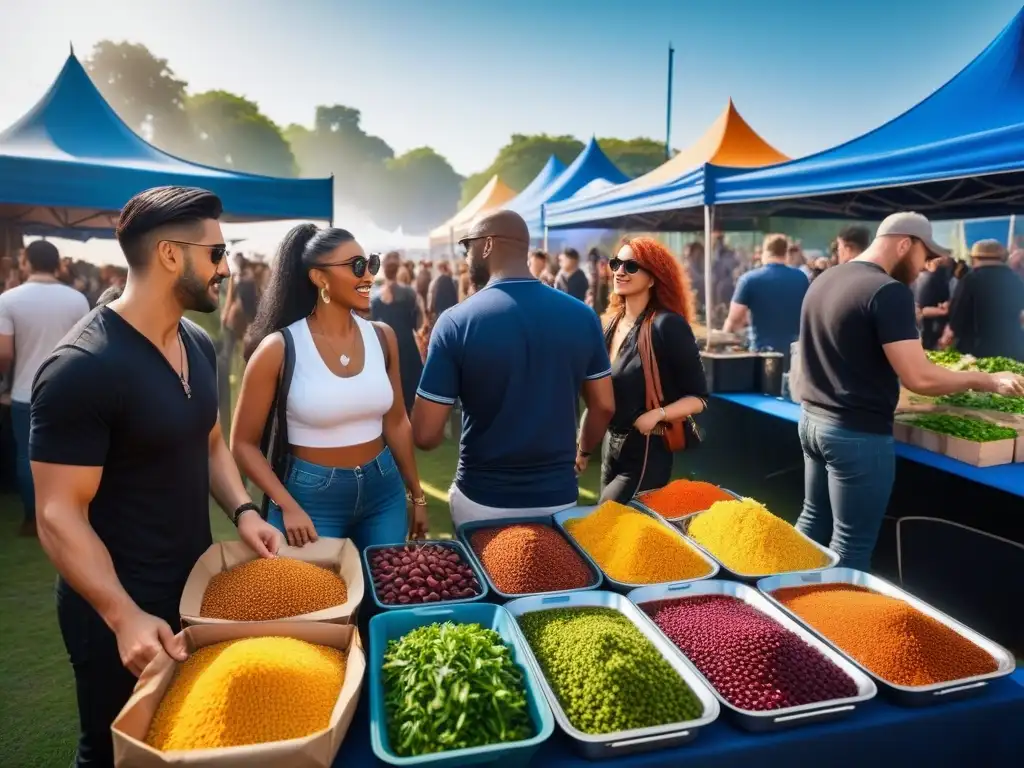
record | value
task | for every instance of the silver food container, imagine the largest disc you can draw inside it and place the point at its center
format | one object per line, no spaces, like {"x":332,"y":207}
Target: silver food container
{"x":683,"y":524}
{"x":619,"y":743}
{"x":622,"y":586}
{"x":638,"y":504}
{"x":775,"y":719}
{"x":901,"y":694}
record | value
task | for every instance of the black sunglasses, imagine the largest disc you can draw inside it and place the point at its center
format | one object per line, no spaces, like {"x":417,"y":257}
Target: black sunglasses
{"x":464,"y":242}
{"x":217,"y":251}
{"x":631,"y":265}
{"x":359,"y":265}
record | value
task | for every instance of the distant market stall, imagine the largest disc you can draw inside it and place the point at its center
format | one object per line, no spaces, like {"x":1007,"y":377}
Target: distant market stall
{"x":70,"y":164}
{"x":495,"y":194}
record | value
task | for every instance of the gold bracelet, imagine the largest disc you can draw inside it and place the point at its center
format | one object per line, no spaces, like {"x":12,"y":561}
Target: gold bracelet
{"x":419,"y":502}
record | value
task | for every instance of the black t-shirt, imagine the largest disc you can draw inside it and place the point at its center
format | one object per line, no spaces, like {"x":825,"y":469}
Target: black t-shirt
{"x":849,"y":313}
{"x":679,"y":365}
{"x":985,"y":313}
{"x":575,"y":284}
{"x":930,"y":290}
{"x":108,"y":397}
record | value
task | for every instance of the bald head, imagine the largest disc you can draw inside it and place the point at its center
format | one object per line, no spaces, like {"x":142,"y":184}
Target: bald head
{"x":506,"y":225}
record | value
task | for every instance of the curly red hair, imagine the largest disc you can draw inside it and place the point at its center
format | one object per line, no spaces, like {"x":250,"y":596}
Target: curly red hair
{"x":671,"y":290}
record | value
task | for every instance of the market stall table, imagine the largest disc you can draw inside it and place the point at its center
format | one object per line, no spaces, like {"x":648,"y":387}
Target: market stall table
{"x":1006,"y":477}
{"x":983,"y":731}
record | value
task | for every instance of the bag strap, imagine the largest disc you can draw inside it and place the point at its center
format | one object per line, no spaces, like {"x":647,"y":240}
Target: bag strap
{"x":649,"y":362}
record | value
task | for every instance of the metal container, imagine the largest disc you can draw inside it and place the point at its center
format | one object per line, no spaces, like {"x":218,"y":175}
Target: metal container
{"x":683,"y":524}
{"x":466,"y":530}
{"x":901,"y":694}
{"x":454,"y":546}
{"x":623,"y":586}
{"x":770,"y":370}
{"x":594,"y":746}
{"x":636,"y":503}
{"x":775,"y":719}
{"x":730,"y":371}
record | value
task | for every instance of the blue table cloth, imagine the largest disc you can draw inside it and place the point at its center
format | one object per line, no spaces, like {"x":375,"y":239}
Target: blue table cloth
{"x":1006,"y":477}
{"x":984,"y":731}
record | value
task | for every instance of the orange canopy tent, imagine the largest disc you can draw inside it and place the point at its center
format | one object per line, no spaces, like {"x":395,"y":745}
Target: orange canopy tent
{"x":494,"y":195}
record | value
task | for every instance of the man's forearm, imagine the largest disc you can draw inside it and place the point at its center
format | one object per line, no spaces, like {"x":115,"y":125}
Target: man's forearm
{"x":593,"y":425}
{"x":84,"y":562}
{"x":226,"y":484}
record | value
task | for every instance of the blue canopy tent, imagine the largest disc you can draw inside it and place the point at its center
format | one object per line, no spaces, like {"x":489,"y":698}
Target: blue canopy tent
{"x":533,"y":193}
{"x":70,"y":164}
{"x":959,"y":154}
{"x":591,"y":164}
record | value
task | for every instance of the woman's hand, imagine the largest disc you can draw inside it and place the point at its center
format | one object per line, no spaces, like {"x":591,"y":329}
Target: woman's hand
{"x":648,"y":421}
{"x":298,"y":527}
{"x":262,"y":538}
{"x":582,"y":462}
{"x":418,"y":523}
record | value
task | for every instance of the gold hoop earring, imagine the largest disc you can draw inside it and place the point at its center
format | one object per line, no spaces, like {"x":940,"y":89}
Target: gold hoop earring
{"x":325,"y":296}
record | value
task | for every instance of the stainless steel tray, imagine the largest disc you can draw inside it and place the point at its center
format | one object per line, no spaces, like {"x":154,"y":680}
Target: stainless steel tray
{"x":775,"y":719}
{"x":623,"y":586}
{"x":683,"y":524}
{"x":644,"y":508}
{"x":620,"y":743}
{"x":902,"y":694}
{"x":466,"y":530}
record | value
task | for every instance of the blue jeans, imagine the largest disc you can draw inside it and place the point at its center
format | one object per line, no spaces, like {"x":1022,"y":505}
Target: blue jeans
{"x":848,"y":479}
{"x":21,"y":417}
{"x":365,"y":504}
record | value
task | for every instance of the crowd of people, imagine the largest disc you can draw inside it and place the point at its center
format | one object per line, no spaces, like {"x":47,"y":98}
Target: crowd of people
{"x":354,"y":361}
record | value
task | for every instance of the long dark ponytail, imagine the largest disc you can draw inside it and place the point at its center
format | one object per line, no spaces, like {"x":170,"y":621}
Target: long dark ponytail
{"x":290,"y":294}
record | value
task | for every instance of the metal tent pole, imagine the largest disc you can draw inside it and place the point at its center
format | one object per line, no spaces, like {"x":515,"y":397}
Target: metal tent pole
{"x":709,"y":226}
{"x":1009,"y":237}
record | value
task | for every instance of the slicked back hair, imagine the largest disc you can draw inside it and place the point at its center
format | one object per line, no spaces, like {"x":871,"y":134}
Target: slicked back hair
{"x":156,"y":209}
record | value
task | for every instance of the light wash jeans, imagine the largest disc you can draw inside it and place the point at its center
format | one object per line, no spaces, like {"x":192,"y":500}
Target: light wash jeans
{"x":848,"y":478}
{"x":365,"y":504}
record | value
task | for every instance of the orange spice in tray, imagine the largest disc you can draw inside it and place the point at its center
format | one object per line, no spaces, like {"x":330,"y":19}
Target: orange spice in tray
{"x":683,"y":497}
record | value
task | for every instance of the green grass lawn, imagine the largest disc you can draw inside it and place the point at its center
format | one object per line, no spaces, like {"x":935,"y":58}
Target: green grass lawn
{"x":38,"y":720}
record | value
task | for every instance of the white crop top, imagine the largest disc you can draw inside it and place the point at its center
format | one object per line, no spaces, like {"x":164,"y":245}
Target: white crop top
{"x":327,"y":411}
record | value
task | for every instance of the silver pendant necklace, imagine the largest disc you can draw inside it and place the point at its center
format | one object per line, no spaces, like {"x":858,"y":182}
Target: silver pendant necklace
{"x":181,"y":375}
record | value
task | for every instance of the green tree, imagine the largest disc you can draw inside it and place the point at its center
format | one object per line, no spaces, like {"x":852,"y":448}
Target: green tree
{"x":420,"y":189}
{"x":231,"y":132}
{"x":519,"y":161}
{"x":143,"y":90}
{"x":634,"y":157}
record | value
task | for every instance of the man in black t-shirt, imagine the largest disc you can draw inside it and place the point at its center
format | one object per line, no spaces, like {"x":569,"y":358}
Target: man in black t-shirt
{"x":126,"y":449}
{"x":571,"y":279}
{"x":858,"y":341}
{"x":987,"y":309}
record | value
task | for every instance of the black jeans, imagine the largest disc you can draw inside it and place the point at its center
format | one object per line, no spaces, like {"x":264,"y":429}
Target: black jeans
{"x":102,"y":684}
{"x":623,"y":473}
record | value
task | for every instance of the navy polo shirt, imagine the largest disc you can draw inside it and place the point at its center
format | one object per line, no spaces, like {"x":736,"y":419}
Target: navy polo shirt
{"x":516,"y":355}
{"x":774,"y":294}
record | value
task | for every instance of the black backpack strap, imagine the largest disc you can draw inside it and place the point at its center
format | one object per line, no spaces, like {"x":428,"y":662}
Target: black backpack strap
{"x":383,"y":339}
{"x":274,"y":443}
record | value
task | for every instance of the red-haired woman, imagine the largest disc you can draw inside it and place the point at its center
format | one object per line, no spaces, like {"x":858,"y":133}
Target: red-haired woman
{"x":648,"y":283}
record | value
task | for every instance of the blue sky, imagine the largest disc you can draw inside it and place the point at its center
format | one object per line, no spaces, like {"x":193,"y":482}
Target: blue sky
{"x":462,"y":75}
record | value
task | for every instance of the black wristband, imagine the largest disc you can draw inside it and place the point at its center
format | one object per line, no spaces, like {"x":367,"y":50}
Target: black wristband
{"x":243,"y":508}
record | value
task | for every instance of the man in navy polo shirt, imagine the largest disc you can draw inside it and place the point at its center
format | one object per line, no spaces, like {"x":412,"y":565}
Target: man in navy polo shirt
{"x":517,"y":354}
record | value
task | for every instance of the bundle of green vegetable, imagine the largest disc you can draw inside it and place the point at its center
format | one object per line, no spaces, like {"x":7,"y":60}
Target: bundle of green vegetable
{"x":451,"y":686}
{"x":975,"y":430}
{"x":999,"y":365}
{"x":606,"y":675}
{"x":985,"y":401}
{"x":944,"y":357}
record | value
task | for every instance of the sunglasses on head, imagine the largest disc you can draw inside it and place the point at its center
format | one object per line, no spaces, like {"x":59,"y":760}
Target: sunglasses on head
{"x":360,"y":265}
{"x":630,"y":265}
{"x":217,"y":251}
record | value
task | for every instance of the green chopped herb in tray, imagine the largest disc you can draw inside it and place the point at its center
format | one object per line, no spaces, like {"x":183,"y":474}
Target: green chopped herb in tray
{"x":985,"y":401}
{"x":975,"y":430}
{"x":452,"y":686}
{"x":605,"y":673}
{"x":999,"y":365}
{"x":944,"y":356}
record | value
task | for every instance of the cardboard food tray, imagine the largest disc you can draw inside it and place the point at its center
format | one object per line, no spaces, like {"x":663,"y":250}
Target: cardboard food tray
{"x":339,"y":555}
{"x":315,"y":751}
{"x":978,"y":454}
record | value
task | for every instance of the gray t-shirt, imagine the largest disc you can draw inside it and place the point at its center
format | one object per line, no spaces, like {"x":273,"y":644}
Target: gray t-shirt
{"x":38,"y":316}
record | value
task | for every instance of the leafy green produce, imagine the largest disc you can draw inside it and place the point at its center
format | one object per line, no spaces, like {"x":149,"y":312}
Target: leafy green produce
{"x":975,"y":430}
{"x":606,"y":675}
{"x":999,"y":365}
{"x":944,"y":356}
{"x":985,"y":401}
{"x":452,"y":686}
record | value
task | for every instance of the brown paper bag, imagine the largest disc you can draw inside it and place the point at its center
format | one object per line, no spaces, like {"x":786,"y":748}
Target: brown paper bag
{"x":340,"y":555}
{"x":316,"y":751}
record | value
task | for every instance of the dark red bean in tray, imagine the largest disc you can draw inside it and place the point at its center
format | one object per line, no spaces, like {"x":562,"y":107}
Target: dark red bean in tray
{"x":421,"y":573}
{"x":754,"y":663}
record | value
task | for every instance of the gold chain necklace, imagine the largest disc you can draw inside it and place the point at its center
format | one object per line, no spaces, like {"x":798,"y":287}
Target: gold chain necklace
{"x":342,"y":357}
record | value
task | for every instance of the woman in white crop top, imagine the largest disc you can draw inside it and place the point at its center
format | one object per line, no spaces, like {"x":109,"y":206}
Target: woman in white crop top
{"x":351,"y":454}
